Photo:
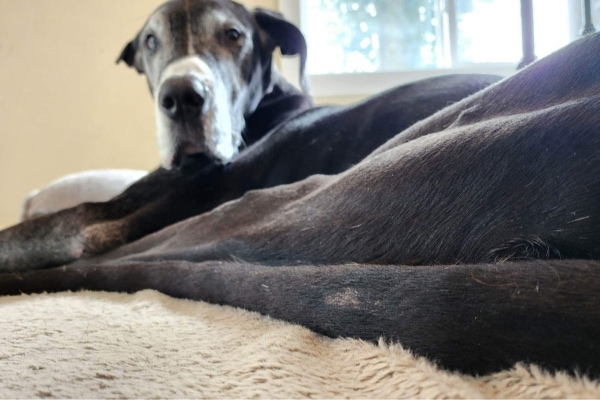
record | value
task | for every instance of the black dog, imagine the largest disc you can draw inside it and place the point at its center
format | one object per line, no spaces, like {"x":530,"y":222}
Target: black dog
{"x":493,"y":201}
{"x":209,"y":68}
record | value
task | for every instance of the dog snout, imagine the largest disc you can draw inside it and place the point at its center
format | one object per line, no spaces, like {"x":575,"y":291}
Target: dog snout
{"x":182,"y":97}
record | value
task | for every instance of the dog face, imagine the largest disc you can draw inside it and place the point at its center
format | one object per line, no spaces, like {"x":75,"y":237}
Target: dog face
{"x":208,"y":65}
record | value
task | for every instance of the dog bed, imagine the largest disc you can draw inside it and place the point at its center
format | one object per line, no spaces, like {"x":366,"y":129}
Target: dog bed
{"x":90,"y":345}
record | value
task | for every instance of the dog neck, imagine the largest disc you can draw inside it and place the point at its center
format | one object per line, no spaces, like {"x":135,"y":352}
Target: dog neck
{"x":280,"y":104}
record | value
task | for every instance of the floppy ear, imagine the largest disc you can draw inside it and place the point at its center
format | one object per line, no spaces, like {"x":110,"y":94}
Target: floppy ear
{"x":286,"y":36}
{"x":129,"y":56}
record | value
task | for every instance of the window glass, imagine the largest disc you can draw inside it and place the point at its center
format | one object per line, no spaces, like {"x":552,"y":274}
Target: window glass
{"x":354,"y":36}
{"x":488,"y":31}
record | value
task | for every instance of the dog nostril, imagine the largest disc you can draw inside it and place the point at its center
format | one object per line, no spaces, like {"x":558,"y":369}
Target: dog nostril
{"x":182,"y":97}
{"x":168,"y":103}
{"x":193,"y":99}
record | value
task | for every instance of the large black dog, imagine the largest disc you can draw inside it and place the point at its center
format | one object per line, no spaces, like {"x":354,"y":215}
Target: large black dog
{"x":471,"y":236}
{"x":209,"y":68}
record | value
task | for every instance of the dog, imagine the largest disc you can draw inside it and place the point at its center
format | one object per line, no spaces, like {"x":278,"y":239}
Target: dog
{"x":209,"y":68}
{"x":471,"y":236}
{"x":185,"y":45}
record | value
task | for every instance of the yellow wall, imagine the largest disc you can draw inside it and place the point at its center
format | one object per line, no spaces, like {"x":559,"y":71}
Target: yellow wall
{"x":64,"y":104}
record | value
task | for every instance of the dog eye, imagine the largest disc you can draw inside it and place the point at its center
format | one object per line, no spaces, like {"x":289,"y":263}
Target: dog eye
{"x":151,"y":42}
{"x":232,"y":34}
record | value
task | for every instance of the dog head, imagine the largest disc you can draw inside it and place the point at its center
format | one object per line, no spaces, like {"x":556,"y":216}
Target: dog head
{"x":208,"y":65}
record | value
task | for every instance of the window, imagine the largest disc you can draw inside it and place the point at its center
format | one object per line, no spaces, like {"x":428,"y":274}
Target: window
{"x":365,"y":46}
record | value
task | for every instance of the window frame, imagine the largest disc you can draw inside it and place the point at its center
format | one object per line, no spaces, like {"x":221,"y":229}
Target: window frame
{"x":366,"y":84}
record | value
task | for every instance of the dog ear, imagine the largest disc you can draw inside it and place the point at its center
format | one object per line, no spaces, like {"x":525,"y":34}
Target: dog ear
{"x":129,"y":56}
{"x":286,"y":36}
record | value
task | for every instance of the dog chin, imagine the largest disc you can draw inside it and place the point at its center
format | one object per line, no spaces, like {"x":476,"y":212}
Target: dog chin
{"x":175,"y":157}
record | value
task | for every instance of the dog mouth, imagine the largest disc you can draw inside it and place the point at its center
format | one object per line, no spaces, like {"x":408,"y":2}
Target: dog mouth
{"x":180,"y":145}
{"x":213,"y":134}
{"x":189,"y":153}
{"x":196,"y":162}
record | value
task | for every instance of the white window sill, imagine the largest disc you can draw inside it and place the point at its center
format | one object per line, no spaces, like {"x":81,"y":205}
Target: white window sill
{"x":366,"y":84}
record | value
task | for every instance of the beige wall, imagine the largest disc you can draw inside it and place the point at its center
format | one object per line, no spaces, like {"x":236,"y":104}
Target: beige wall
{"x":64,"y":104}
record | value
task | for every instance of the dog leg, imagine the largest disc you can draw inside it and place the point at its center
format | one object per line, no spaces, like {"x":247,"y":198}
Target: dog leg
{"x":161,"y":198}
{"x":472,"y":318}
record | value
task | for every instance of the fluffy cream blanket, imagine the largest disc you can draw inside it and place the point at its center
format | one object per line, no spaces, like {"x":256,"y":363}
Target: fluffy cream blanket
{"x":90,"y":345}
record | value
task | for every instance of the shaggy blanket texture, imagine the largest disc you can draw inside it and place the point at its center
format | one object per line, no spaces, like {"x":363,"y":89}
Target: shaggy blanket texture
{"x":99,"y":345}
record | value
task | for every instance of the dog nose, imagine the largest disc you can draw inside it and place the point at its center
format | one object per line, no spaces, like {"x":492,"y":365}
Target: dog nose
{"x":181,"y":97}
